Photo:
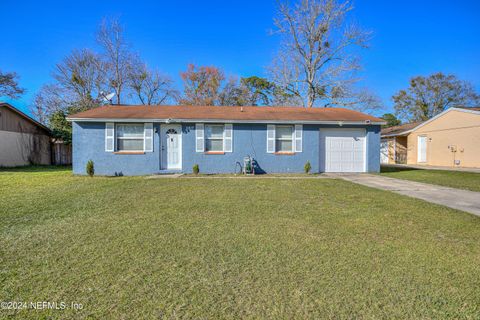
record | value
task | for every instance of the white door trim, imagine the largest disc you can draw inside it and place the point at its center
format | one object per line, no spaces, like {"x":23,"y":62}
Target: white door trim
{"x":419,"y":157}
{"x":384,"y":154}
{"x":322,"y":134}
{"x":395,"y":150}
{"x":163,"y":147}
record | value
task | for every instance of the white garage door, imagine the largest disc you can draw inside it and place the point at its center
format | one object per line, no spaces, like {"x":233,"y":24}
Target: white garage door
{"x":344,"y":149}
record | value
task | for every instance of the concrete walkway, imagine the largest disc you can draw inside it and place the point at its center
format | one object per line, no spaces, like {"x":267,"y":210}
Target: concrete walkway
{"x":464,"y":200}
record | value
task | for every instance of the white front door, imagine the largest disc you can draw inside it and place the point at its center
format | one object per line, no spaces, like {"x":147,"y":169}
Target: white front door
{"x":171,"y":147}
{"x":345,"y":150}
{"x":422,"y":149}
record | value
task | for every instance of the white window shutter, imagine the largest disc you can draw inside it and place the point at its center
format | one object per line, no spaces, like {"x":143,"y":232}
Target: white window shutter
{"x":298,"y":137}
{"x":228,"y":138}
{"x":148,"y":137}
{"x":270,"y":138}
{"x":199,"y":137}
{"x":109,"y":137}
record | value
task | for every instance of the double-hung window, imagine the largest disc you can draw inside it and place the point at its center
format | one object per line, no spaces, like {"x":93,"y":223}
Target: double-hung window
{"x":284,"y":138}
{"x":214,"y":137}
{"x":130,"y":137}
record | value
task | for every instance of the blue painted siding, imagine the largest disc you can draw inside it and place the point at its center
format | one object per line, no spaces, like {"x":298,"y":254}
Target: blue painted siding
{"x":248,"y":139}
{"x":89,"y":144}
{"x":373,"y":149}
{"x":251,"y":139}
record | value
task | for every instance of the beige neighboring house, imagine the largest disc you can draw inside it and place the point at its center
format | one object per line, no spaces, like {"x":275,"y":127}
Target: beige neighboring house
{"x":450,"y":139}
{"x":23,"y":140}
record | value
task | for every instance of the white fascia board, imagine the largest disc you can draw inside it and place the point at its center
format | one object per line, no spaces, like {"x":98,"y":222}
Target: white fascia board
{"x":336,"y":122}
{"x":465,"y":110}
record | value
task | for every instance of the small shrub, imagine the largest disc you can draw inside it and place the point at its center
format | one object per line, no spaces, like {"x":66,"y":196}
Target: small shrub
{"x":307,"y":167}
{"x":90,"y":168}
{"x":196,"y":169}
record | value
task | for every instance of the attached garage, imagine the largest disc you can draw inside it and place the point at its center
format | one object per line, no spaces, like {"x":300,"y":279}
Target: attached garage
{"x":344,"y":150}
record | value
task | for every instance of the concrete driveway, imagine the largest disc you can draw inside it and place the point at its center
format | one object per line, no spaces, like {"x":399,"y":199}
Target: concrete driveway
{"x":464,"y":200}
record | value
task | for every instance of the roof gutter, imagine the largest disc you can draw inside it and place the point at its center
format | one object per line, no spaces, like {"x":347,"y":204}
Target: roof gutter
{"x":332,"y":122}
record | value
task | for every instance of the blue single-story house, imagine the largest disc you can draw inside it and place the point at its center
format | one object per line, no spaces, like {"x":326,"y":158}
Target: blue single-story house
{"x":144,"y":140}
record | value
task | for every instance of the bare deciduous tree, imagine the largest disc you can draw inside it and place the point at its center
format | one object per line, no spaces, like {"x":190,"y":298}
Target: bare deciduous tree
{"x":9,"y":86}
{"x":81,"y":74}
{"x":317,"y":64}
{"x":234,"y":93}
{"x":151,"y":87}
{"x":83,"y":78}
{"x":49,"y":99}
{"x":284,"y":75}
{"x":202,"y":85}
{"x":78,"y":82}
{"x":428,"y":96}
{"x":117,"y":56}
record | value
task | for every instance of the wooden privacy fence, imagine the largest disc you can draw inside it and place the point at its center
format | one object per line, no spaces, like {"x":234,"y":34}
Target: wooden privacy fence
{"x":61,"y":153}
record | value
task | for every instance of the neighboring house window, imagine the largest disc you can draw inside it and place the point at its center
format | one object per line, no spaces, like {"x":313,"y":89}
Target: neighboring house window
{"x":130,"y":137}
{"x":214,"y":137}
{"x":284,"y":139}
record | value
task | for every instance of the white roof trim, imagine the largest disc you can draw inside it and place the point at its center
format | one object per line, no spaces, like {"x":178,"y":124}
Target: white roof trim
{"x":335,"y":122}
{"x":466,"y":110}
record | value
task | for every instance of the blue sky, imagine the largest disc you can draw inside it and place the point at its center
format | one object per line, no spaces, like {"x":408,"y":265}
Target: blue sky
{"x":410,"y":37}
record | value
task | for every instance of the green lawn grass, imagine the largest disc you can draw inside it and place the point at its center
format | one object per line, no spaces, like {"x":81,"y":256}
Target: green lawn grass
{"x":453,"y":179}
{"x":135,"y":248}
